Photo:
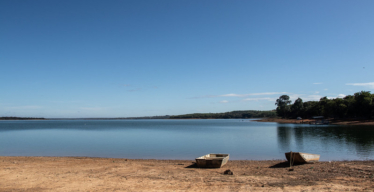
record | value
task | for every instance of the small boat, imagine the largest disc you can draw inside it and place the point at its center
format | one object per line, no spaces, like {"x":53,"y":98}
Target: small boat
{"x":298,"y":157}
{"x":212,"y":160}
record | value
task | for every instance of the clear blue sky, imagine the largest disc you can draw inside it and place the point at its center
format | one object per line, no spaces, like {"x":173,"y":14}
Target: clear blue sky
{"x":143,"y":58}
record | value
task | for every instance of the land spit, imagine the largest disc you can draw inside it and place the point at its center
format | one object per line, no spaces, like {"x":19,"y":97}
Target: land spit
{"x":109,"y":174}
{"x":308,"y":121}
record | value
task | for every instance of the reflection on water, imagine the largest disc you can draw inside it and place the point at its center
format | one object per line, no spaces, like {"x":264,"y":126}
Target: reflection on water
{"x":332,"y":142}
{"x":284,"y":138}
{"x":182,"y":139}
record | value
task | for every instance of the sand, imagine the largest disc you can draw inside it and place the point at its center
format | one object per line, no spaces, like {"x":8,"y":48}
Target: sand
{"x":108,"y":174}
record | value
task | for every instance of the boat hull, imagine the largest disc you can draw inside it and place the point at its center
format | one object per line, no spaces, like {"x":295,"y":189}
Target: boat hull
{"x":212,"y":160}
{"x":298,"y":157}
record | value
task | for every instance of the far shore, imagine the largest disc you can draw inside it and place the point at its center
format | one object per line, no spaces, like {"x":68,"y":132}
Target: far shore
{"x":276,"y":120}
{"x":112,"y":174}
{"x":307,"y":121}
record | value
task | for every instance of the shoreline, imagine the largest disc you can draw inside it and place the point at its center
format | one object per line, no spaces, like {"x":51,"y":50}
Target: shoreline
{"x":115,"y":174}
{"x":306,"y":121}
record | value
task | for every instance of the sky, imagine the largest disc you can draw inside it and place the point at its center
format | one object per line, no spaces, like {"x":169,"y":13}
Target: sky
{"x":130,"y":58}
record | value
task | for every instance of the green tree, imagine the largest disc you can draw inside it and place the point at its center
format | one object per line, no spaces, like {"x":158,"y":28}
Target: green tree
{"x":350,"y":102}
{"x":312,"y":108}
{"x":283,"y":107}
{"x":363,"y":104}
{"x":359,"y":105}
{"x":341,"y":108}
{"x":323,"y":107}
{"x":297,"y":108}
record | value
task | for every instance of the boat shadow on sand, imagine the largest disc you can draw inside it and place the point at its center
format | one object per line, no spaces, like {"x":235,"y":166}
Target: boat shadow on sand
{"x":192,"y":166}
{"x":285,"y":165}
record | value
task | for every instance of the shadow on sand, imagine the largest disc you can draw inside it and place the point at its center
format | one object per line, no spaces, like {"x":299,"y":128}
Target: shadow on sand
{"x":284,"y":165}
{"x":193,"y":165}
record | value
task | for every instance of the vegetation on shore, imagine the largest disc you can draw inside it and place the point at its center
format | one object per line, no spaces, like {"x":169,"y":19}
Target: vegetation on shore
{"x":227,"y":115}
{"x":357,"y":106}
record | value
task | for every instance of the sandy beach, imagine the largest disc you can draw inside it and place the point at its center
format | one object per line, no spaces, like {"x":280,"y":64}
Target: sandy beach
{"x":108,"y":174}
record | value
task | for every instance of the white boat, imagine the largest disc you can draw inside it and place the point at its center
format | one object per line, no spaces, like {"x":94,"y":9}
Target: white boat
{"x":212,"y":160}
{"x":298,"y":157}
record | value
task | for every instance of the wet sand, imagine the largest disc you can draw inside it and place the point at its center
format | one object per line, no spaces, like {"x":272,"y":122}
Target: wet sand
{"x":108,"y":174}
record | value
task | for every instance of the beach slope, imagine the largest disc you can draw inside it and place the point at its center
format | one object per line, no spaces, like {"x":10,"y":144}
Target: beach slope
{"x":108,"y":174}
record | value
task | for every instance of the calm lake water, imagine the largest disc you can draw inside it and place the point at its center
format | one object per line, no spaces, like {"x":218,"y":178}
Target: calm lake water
{"x":182,"y":139}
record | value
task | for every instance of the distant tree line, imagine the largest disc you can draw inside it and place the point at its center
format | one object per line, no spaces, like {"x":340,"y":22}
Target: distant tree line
{"x":360,"y":105}
{"x":227,"y":115}
{"x":148,"y":117}
{"x":21,"y":118}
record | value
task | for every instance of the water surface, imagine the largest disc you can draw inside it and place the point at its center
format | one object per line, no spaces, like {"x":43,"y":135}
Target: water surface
{"x":182,"y":139}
